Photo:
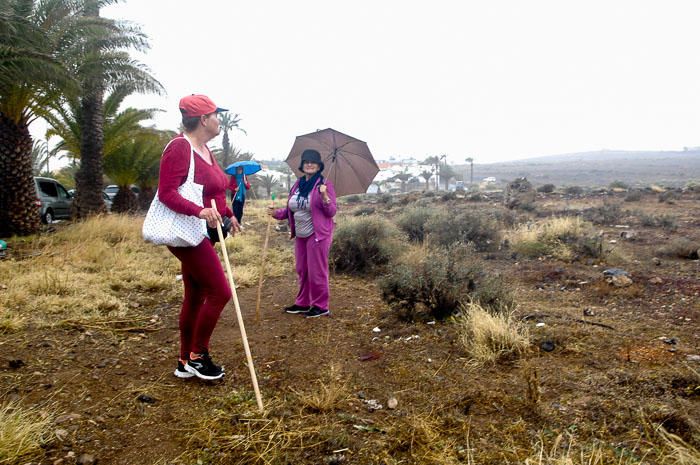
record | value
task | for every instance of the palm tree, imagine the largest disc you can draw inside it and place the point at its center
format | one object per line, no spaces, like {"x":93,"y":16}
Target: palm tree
{"x":234,"y":155}
{"x":470,"y":160}
{"x":229,"y":121}
{"x":425,"y":174}
{"x":269,"y":182}
{"x":434,"y":160}
{"x":136,"y":161}
{"x":148,"y":176}
{"x":447,"y":173}
{"x":41,"y":157}
{"x":100,"y":64}
{"x":34,"y":37}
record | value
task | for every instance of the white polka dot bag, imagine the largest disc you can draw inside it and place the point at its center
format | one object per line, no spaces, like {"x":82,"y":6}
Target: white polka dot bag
{"x":163,"y":226}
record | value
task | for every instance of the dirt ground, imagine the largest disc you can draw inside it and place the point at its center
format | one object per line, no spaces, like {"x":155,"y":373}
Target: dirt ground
{"x":621,"y":359}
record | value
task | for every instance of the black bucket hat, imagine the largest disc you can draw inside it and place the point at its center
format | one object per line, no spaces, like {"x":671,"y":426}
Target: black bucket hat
{"x":312,"y":156}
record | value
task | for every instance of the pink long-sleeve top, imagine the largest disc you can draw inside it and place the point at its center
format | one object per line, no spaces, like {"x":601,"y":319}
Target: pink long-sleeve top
{"x":321,"y":213}
{"x":174,"y":166}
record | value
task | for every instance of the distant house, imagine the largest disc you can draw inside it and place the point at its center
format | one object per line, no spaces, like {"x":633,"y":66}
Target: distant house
{"x":490,"y":179}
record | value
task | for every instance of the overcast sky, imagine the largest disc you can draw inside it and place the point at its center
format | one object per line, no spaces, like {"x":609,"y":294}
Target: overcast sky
{"x":493,"y":80}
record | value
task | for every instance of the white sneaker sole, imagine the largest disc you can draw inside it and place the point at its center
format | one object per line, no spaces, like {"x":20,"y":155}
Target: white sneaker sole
{"x":183,"y":374}
{"x":193,"y":371}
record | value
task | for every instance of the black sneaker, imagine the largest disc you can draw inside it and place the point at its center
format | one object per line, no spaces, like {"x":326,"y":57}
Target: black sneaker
{"x":315,"y":312}
{"x":296,"y":309}
{"x":202,"y":366}
{"x":181,"y":372}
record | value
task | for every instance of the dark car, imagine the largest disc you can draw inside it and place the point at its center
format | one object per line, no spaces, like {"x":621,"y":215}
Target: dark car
{"x":54,"y":200}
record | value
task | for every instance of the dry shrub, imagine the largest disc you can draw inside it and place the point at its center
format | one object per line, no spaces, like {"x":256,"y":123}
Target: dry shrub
{"x":677,"y":451}
{"x":681,"y":247}
{"x":245,"y":252}
{"x":446,"y":228}
{"x":23,"y":433}
{"x":440,"y":281}
{"x":488,"y":338}
{"x":364,"y":245}
{"x":609,"y":213}
{"x":329,"y":393}
{"x":562,"y":238}
{"x":413,"y":220}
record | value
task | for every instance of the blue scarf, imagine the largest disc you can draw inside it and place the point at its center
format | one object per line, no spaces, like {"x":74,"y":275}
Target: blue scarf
{"x":240,"y":195}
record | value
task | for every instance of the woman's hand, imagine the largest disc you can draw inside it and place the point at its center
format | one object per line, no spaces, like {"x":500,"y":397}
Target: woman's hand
{"x":271,"y":210}
{"x":324,"y":193}
{"x":235,"y":226}
{"x":211,"y":216}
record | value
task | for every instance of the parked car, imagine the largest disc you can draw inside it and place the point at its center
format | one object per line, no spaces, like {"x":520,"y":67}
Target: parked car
{"x":105,"y":197}
{"x":112,"y":190}
{"x":54,"y":200}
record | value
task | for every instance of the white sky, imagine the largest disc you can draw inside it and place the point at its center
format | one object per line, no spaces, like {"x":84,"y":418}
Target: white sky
{"x":494,"y":80}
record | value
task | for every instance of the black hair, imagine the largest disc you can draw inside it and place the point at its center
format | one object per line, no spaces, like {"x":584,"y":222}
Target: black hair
{"x":190,"y":123}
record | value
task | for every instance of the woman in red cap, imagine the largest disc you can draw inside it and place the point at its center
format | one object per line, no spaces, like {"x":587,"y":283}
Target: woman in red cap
{"x":206,"y":288}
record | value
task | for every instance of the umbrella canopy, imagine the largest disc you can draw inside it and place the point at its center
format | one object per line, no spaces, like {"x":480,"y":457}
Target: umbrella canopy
{"x":249,"y":167}
{"x":347,"y":161}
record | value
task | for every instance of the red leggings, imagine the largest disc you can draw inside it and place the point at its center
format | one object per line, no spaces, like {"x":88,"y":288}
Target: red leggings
{"x":206,"y":294}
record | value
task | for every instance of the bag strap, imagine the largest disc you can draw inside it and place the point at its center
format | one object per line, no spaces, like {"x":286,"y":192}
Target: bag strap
{"x":190,"y":172}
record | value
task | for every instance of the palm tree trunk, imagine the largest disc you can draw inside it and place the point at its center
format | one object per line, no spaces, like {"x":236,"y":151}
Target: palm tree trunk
{"x":19,"y":213}
{"x":88,"y":181}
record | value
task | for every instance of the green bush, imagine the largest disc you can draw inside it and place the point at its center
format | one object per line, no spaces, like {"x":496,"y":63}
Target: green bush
{"x":445,"y":229}
{"x":363,"y":245}
{"x":609,"y":213}
{"x":633,"y":196}
{"x":439,"y":282}
{"x":546,"y":188}
{"x":574,"y":190}
{"x":681,"y":247}
{"x":618,"y":185}
{"x":446,"y":197}
{"x":412,"y":222}
{"x":352,"y":199}
{"x":667,"y":222}
{"x":669,"y":197}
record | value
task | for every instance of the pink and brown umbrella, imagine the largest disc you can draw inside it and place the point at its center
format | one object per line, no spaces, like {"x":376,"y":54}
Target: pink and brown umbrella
{"x":348,"y":163}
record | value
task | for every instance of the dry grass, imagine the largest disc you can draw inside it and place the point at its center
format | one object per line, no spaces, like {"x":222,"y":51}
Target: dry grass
{"x":488,"y":338}
{"x":678,"y":452}
{"x":329,"y":393}
{"x":94,"y":271}
{"x":23,"y":432}
{"x":556,"y":237}
{"x":564,"y":450}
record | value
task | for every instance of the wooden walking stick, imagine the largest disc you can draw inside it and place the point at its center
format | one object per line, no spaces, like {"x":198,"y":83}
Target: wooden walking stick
{"x":249,"y":357}
{"x":262,"y":261}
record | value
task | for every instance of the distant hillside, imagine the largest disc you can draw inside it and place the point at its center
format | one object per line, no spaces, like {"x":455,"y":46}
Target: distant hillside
{"x":597,"y":168}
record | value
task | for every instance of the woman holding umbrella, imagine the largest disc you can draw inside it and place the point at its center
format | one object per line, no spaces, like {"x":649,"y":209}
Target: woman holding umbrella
{"x":310,"y":209}
{"x":238,"y":185}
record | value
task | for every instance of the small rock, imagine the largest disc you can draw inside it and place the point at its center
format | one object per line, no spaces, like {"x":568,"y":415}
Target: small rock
{"x":392,"y":403}
{"x":547,"y":346}
{"x":656,"y":280}
{"x":620,"y":280}
{"x":693,"y":358}
{"x":61,"y":434}
{"x":656,"y":261}
{"x":361,"y":395}
{"x":669,"y":340}
{"x":68,"y":417}
{"x":376,"y":329}
{"x":17,"y":363}
{"x":539,"y":325}
{"x":146,"y":399}
{"x":87,"y":459}
{"x":58,"y":462}
{"x":70,"y":454}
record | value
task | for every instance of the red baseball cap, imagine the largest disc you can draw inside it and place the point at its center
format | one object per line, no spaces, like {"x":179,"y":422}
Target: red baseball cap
{"x":198,"y":105}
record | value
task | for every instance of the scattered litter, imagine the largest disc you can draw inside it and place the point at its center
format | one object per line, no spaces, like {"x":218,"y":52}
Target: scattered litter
{"x":368,"y":429}
{"x":431,"y":322}
{"x":669,"y":340}
{"x":539,"y":325}
{"x":392,"y":403}
{"x":693,"y":358}
{"x":615,"y":272}
{"x":146,"y":399}
{"x":430,"y":360}
{"x":178,"y":277}
{"x":410,"y":338}
{"x":376,"y":329}
{"x":369,"y":356}
{"x":373,"y":404}
{"x":588,"y":312}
